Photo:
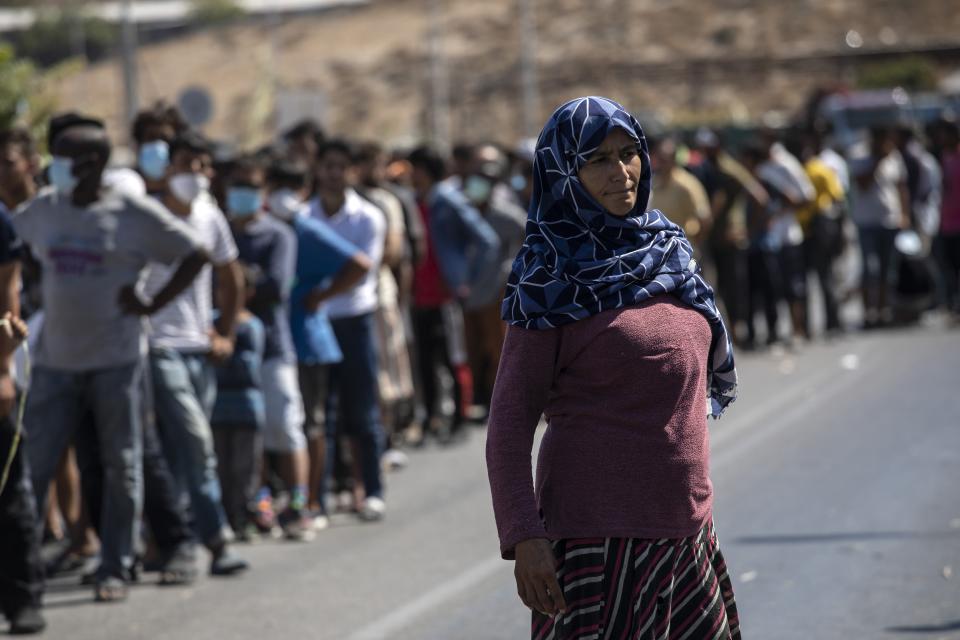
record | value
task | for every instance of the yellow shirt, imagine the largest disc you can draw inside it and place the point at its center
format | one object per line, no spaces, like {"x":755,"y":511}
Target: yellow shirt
{"x":681,"y":197}
{"x":827,"y":186}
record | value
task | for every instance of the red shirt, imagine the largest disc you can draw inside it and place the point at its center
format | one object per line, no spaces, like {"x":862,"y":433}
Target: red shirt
{"x":626,"y":451}
{"x":950,"y":205}
{"x":429,"y":290}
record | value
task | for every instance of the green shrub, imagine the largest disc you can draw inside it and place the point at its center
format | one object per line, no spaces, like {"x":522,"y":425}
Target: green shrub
{"x":913,"y":73}
{"x":212,"y":12}
{"x":50,"y":40}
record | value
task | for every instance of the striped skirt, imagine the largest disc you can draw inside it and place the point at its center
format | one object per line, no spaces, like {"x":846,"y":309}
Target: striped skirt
{"x":639,"y":589}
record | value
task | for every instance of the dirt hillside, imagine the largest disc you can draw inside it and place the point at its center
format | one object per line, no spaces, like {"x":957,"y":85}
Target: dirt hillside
{"x":682,"y":58}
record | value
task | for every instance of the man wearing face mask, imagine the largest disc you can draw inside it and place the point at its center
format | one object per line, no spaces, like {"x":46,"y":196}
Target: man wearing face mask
{"x":271,"y":245}
{"x":153,"y":130}
{"x":185,"y":343}
{"x":521,"y":177}
{"x":460,"y":247}
{"x":327,"y":265}
{"x":484,"y":328}
{"x":94,"y":244}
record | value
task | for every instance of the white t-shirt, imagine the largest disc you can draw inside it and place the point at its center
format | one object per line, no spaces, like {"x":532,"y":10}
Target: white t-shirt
{"x":787,"y":175}
{"x":125,"y":180}
{"x":88,"y":255}
{"x":363,"y":225}
{"x":839,"y":165}
{"x":183,"y":323}
{"x":879,"y":204}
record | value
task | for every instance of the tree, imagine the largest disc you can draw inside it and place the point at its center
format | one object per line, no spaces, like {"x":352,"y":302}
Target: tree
{"x":24,"y":98}
{"x":57,"y":35}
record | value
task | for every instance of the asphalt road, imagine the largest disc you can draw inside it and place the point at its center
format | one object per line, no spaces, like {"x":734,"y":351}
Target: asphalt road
{"x":837,"y":479}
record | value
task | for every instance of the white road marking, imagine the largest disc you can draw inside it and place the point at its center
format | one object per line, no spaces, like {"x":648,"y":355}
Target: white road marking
{"x":401,"y":617}
{"x":777,"y":411}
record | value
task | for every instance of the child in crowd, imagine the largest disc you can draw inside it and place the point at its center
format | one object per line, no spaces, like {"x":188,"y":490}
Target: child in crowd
{"x":239,"y":416}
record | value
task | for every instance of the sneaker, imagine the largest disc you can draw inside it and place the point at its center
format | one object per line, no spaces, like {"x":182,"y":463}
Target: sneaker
{"x":394,"y":460}
{"x":373,"y":509}
{"x":320,"y":521}
{"x":264,"y":518}
{"x":179,"y":566}
{"x":27,"y":620}
{"x":248,"y":533}
{"x":297,"y":525}
{"x":225,"y":563}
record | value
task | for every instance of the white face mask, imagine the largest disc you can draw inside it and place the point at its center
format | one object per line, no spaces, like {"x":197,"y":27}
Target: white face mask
{"x":284,"y":203}
{"x":61,"y":175}
{"x":187,"y":187}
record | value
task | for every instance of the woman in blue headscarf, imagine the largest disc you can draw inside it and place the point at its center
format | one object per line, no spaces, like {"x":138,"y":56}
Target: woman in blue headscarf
{"x":615,"y":338}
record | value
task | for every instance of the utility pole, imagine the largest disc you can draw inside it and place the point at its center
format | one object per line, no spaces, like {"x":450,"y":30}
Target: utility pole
{"x":78,"y":36}
{"x":439,"y":80}
{"x":128,"y":60}
{"x":273,"y":43}
{"x":528,"y":68}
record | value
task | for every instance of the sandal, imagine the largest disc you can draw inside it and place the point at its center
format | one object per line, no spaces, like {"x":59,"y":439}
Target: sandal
{"x":111,"y":589}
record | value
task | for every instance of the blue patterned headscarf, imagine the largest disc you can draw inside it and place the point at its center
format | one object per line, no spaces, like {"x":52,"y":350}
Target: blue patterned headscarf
{"x":579,"y":260}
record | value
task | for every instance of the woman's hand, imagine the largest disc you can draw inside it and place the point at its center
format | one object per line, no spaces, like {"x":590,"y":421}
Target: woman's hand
{"x":536,"y":574}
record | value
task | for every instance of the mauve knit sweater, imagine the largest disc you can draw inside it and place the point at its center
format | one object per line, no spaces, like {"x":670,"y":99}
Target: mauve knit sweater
{"x":626,"y":451}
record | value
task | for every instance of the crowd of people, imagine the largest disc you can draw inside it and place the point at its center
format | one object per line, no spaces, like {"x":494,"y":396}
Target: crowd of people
{"x":229,"y":345}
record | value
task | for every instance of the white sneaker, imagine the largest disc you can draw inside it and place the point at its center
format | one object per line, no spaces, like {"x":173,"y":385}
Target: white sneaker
{"x":320,"y":522}
{"x":394,"y":460}
{"x":373,"y":509}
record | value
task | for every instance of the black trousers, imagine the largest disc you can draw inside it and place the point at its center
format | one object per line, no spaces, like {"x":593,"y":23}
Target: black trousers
{"x":766,"y":290}
{"x":820,"y":250}
{"x":948,"y":252}
{"x":433,"y":360}
{"x":21,"y":568}
{"x":733,"y":281}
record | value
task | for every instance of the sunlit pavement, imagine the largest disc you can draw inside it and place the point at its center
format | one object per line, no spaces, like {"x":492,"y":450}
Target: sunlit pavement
{"x":837,"y":504}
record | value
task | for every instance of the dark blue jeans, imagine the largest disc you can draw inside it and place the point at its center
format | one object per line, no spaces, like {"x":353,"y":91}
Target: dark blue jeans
{"x":353,"y":406}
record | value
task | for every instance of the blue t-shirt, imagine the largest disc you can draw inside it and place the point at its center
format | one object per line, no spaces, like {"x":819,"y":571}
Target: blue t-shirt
{"x":321,"y":254}
{"x":271,"y":246}
{"x":11,"y":247}
{"x":239,"y":395}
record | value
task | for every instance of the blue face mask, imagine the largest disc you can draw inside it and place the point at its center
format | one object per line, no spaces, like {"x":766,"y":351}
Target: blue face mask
{"x":243,"y":202}
{"x":154,"y":158}
{"x":518,"y":182}
{"x":61,"y":175}
{"x":477,"y":189}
